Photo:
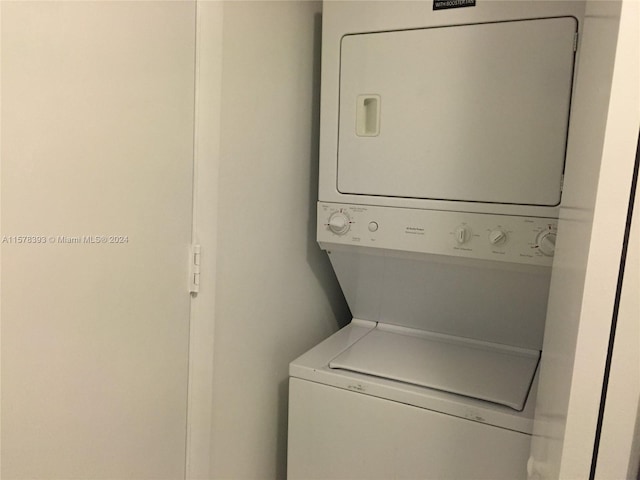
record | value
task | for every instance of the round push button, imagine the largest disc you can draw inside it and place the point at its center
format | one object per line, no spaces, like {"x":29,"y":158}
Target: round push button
{"x":373,"y":226}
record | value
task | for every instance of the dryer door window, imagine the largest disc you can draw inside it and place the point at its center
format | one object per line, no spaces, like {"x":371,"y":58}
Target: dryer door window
{"x":473,"y":113}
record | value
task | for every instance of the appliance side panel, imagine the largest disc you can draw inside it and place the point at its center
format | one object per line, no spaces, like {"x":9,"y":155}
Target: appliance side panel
{"x":361,"y":280}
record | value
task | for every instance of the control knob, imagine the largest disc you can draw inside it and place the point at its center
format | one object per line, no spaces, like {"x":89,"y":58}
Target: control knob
{"x":547,"y":243}
{"x":339,"y":223}
{"x":497,"y":237}
{"x":462,"y":234}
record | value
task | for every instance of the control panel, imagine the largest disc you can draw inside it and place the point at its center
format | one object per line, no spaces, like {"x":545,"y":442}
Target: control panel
{"x":527,"y":240}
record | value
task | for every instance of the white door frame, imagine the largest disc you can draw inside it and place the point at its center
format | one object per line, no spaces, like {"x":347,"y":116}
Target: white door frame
{"x":591,"y":233}
{"x":208,"y":80}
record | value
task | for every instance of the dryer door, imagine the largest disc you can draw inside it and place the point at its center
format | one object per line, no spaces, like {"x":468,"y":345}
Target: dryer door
{"x":471,"y":112}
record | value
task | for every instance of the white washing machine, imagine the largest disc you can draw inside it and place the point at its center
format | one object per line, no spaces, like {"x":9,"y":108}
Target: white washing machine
{"x":442,"y":151}
{"x":346,"y":424}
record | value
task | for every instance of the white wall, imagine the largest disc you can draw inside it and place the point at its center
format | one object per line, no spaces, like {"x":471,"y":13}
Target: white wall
{"x":276,"y":295}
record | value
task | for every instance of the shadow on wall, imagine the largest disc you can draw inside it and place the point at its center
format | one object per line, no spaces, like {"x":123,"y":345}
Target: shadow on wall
{"x":316,"y":258}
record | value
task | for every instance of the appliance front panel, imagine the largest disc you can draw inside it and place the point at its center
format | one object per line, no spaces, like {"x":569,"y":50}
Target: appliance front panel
{"x":341,"y":434}
{"x":474,"y":113}
{"x":470,"y":275}
{"x":500,"y":238}
{"x":488,"y":301}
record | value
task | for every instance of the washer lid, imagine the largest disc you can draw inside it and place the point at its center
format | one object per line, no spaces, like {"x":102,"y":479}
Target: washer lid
{"x":496,"y":373}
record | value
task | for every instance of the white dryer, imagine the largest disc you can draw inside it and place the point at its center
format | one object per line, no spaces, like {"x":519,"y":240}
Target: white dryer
{"x":442,"y":153}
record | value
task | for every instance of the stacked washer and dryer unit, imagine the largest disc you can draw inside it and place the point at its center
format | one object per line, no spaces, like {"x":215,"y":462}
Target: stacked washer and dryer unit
{"x":442,"y":158}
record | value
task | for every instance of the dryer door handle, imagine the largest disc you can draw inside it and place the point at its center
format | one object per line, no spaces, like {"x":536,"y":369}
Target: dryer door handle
{"x":368,"y":115}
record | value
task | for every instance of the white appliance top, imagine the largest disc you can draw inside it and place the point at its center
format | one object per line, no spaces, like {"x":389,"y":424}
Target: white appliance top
{"x":482,"y":370}
{"x":314,"y":366}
